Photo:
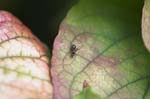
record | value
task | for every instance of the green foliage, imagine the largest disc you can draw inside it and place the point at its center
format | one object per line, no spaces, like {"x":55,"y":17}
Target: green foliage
{"x":112,"y":52}
{"x":87,"y":93}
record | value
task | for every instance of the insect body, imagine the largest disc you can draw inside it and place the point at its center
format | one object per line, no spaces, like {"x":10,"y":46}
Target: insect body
{"x":73,"y":50}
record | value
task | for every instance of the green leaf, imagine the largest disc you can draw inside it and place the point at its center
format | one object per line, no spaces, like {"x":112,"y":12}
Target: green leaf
{"x":111,"y":55}
{"x":87,"y":93}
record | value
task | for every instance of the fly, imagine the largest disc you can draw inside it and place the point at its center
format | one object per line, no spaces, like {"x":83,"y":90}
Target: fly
{"x":73,"y":50}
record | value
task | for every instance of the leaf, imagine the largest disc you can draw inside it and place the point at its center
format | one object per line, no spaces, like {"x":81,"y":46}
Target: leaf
{"x":24,"y":71}
{"x":111,"y":55}
{"x":87,"y":93}
{"x":146,"y":24}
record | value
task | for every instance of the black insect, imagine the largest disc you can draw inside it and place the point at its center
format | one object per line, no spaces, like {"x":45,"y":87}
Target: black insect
{"x":73,"y":50}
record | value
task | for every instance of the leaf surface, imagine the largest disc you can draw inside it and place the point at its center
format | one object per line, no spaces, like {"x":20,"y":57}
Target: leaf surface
{"x":146,"y":24}
{"x":24,"y":71}
{"x":110,"y":53}
{"x":87,"y":94}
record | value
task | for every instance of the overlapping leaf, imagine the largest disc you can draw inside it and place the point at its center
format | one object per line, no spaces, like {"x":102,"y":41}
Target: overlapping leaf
{"x":111,"y":56}
{"x":24,"y":71}
{"x":146,"y":24}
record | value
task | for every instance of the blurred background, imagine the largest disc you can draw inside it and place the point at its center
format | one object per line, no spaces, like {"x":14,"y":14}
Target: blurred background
{"x":41,"y":16}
